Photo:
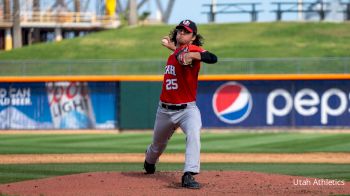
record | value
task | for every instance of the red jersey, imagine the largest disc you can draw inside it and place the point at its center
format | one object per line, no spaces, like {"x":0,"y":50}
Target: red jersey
{"x":180,"y":82}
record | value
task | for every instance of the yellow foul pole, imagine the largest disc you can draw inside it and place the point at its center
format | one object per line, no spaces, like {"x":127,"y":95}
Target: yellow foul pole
{"x":110,"y":7}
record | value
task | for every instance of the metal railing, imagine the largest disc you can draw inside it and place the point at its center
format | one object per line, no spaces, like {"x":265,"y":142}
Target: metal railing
{"x":309,"y":65}
{"x":322,"y":65}
{"x":62,"y":17}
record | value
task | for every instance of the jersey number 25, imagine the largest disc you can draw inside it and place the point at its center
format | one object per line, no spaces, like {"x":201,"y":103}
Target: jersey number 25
{"x":171,"y":84}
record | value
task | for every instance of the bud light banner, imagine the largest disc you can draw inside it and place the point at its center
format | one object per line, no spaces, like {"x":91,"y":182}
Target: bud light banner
{"x":299,"y":103}
{"x":58,"y":105}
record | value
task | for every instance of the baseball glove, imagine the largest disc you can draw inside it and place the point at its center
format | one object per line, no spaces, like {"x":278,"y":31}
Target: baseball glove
{"x":181,"y":57}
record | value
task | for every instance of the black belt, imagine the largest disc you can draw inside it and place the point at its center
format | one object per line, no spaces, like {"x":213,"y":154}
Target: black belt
{"x":174,"y":107}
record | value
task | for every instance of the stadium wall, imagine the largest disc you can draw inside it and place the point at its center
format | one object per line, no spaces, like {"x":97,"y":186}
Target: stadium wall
{"x":130,"y":102}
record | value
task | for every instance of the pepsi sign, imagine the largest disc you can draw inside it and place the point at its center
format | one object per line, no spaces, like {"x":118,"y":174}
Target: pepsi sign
{"x":232,"y":102}
{"x":265,"y":103}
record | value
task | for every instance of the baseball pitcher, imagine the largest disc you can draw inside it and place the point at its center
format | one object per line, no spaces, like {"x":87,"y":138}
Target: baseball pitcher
{"x":177,"y":105}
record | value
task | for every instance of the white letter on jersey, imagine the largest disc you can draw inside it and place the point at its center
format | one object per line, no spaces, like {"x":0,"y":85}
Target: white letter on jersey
{"x":170,"y":69}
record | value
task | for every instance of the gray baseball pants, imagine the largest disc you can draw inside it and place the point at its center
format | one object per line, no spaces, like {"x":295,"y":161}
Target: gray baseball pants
{"x":167,"y":121}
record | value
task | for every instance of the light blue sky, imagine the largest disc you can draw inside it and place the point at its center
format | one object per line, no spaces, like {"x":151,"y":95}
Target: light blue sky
{"x":183,"y":9}
{"x":191,"y":9}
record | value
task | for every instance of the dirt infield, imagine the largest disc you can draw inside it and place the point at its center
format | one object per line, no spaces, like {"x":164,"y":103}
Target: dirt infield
{"x":168,"y":183}
{"x":343,"y":158}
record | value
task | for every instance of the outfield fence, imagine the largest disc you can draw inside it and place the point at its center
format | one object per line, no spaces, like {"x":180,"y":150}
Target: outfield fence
{"x":317,"y":65}
{"x":114,"y":94}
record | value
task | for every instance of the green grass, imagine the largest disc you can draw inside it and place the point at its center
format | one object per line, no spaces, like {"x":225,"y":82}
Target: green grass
{"x":137,"y":142}
{"x":211,"y":142}
{"x":244,"y":40}
{"x":19,"y":172}
{"x":127,"y":46}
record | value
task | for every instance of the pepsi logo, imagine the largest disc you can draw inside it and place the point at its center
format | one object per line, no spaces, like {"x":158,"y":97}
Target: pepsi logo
{"x":232,"y":102}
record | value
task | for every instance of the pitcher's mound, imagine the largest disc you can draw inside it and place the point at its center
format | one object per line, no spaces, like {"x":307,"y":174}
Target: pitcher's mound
{"x":168,"y":183}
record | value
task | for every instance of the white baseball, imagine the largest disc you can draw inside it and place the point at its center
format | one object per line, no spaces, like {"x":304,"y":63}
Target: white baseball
{"x":165,"y":41}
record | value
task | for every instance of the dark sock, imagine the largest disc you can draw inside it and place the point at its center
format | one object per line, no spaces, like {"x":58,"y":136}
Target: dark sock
{"x":192,"y":173}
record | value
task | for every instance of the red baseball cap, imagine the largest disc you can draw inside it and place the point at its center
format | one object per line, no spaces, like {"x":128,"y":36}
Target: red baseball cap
{"x":188,"y":25}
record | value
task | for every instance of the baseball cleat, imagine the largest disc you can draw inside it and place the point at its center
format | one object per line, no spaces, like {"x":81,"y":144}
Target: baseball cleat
{"x":149,"y":168}
{"x":188,"y":181}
